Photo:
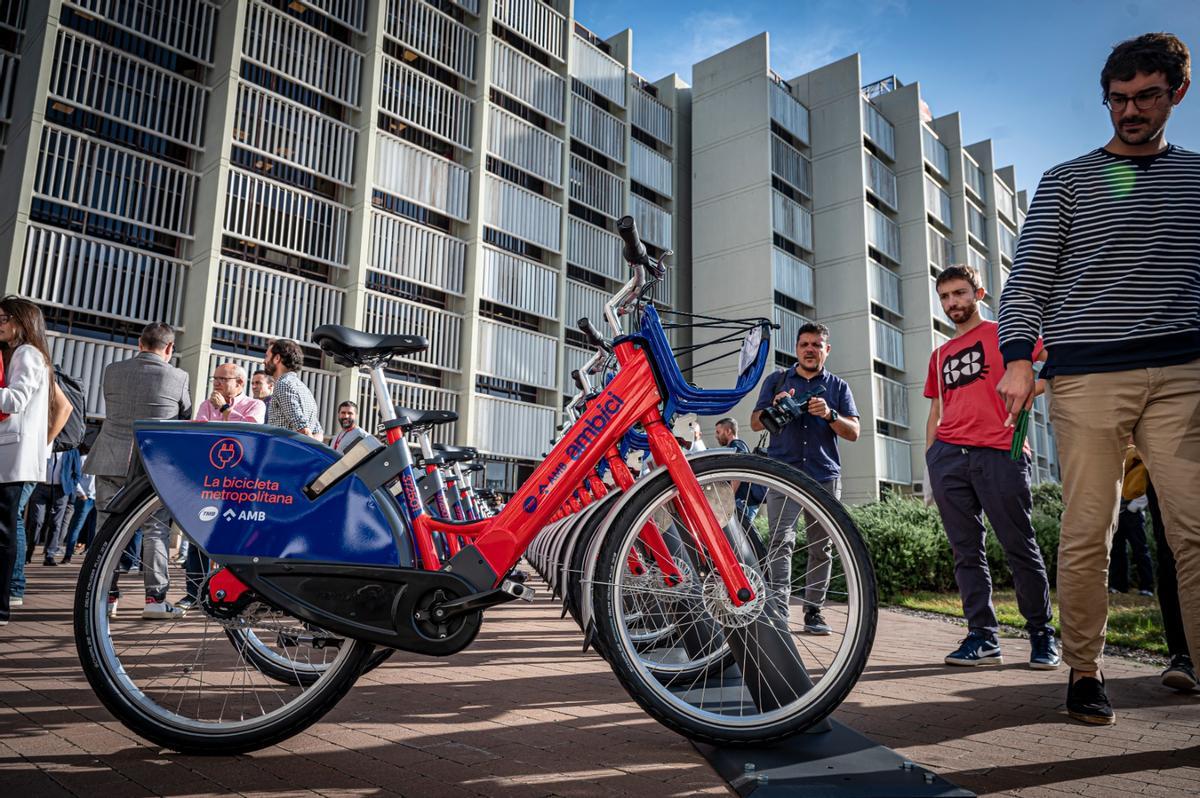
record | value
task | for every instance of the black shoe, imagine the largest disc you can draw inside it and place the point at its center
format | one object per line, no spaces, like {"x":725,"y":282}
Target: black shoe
{"x":1087,"y":702}
{"x":66,"y":560}
{"x":976,"y":649}
{"x":1043,"y":651}
{"x":49,"y":561}
{"x":814,"y":623}
{"x":1180,"y":675}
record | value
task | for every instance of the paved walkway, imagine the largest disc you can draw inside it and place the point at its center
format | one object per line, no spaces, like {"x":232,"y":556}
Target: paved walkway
{"x":522,"y":713}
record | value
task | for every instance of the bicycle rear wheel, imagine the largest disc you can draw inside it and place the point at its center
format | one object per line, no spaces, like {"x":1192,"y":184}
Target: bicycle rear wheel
{"x":784,"y":673}
{"x":195,"y":683}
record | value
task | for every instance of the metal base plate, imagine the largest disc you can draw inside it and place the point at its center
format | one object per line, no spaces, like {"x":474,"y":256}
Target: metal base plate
{"x":834,"y":762}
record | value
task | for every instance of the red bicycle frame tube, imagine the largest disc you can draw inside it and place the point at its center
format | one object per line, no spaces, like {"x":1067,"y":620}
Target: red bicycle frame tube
{"x":631,"y":397}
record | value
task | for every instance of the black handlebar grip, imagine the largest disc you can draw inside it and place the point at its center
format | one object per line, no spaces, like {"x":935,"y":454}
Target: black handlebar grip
{"x":585,"y":327}
{"x":635,"y":250}
{"x":577,"y":375}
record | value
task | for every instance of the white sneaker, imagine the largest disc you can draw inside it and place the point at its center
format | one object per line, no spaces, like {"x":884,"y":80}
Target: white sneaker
{"x":16,"y":601}
{"x":160,"y":609}
{"x":112,"y":607}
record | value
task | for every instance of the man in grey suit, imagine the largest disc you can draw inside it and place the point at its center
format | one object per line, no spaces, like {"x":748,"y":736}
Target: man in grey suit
{"x":143,"y":387}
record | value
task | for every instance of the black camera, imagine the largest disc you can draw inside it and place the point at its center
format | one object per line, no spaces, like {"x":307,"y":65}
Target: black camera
{"x":787,"y":410}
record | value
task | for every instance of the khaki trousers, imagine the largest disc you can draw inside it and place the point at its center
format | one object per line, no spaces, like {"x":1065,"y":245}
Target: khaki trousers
{"x":1093,"y":416}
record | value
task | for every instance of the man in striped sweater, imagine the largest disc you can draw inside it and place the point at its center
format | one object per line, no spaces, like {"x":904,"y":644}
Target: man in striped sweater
{"x":1108,"y":271}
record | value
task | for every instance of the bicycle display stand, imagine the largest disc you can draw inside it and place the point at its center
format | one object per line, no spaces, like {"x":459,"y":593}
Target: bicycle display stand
{"x":830,"y":762}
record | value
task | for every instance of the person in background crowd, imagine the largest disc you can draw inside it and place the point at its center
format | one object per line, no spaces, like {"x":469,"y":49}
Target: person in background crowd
{"x":1180,"y":674}
{"x":726,"y":430}
{"x":292,"y":404}
{"x":145,"y":386}
{"x":809,"y":443}
{"x":55,"y":508}
{"x":969,"y":465}
{"x":348,"y":421}
{"x":25,"y":411}
{"x":83,"y":522}
{"x":262,"y":385}
{"x":1106,"y":271}
{"x":1131,"y":531}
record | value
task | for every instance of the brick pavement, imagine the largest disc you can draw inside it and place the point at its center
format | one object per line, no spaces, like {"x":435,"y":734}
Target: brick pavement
{"x":523,"y":713}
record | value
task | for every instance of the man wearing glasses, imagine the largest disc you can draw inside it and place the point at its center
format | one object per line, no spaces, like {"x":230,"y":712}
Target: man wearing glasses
{"x":1108,"y":271}
{"x":228,"y":401}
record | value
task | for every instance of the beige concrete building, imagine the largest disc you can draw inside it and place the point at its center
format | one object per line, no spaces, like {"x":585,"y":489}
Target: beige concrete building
{"x":822,"y":197}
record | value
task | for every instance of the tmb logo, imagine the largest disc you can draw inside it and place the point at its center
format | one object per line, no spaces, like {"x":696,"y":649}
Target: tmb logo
{"x":208,"y":513}
{"x":225,"y":453}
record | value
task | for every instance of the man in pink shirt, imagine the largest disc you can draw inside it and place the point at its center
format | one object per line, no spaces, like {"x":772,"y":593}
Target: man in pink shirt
{"x":228,"y":401}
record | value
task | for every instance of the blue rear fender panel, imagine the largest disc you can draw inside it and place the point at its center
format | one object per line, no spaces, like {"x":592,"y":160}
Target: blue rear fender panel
{"x":238,"y":489}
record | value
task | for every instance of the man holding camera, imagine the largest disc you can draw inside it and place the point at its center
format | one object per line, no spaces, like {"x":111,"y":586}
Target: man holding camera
{"x":806,"y":409}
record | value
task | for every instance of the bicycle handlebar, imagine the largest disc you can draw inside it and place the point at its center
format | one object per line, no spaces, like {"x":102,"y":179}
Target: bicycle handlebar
{"x":635,"y":250}
{"x":599,"y":341}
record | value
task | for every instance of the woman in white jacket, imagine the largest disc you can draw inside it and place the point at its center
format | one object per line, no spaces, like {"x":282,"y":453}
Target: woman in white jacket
{"x":25,"y":397}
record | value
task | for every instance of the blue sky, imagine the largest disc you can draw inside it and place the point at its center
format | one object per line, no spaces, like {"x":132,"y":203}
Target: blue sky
{"x":1025,"y":74}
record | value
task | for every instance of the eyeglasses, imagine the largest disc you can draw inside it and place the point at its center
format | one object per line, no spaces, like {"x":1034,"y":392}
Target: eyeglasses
{"x":4,"y":319}
{"x":224,"y":379}
{"x":1143,"y":100}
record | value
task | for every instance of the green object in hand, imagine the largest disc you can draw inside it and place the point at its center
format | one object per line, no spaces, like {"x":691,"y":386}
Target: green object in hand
{"x":1020,"y":429}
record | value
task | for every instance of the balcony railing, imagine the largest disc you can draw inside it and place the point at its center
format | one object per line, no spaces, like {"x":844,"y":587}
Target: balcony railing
{"x":284,"y":44}
{"x":651,"y":169}
{"x":421,"y":177}
{"x":935,"y":304}
{"x":269,"y":303}
{"x":976,"y":223}
{"x":881,"y":180}
{"x":937,"y":202}
{"x":891,"y":401}
{"x":883,"y":234}
{"x":524,"y":145}
{"x":789,"y":329}
{"x":468,"y":5}
{"x":597,"y":128}
{"x":889,"y":343}
{"x":411,"y":395}
{"x":596,"y":188}
{"x":585,"y":301}
{"x":114,"y":181}
{"x":389,"y":315}
{"x":437,"y":36}
{"x":648,"y":114}
{"x":416,"y":253}
{"x":521,"y":213}
{"x":1008,"y":242}
{"x":941,"y":249}
{"x":885,"y":288}
{"x":935,"y":152}
{"x":512,"y":429}
{"x":592,"y":248}
{"x":793,"y":277}
{"x":524,"y":79}
{"x":519,"y":283}
{"x":281,"y":217}
{"x":654,"y":223}
{"x":75,"y":272}
{"x":573,"y":358}
{"x":986,"y":312}
{"x":285,"y":131}
{"x":789,"y":165}
{"x":980,"y":262}
{"x":974,"y":179}
{"x":425,"y":103}
{"x":510,"y":353}
{"x":1006,"y":203}
{"x":535,"y":21}
{"x":791,"y":220}
{"x":788,"y":112}
{"x":182,"y":26}
{"x":86,"y":359}
{"x":894,"y":460}
{"x":598,"y":71}
{"x":323,"y":385}
{"x":879,"y":130}
{"x":109,"y":83}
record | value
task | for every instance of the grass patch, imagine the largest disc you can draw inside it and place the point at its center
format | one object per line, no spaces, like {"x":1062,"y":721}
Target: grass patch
{"x":1133,"y":621}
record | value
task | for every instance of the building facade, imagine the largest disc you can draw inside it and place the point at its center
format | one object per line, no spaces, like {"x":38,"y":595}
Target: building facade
{"x":253,"y":169}
{"x":823,"y":198}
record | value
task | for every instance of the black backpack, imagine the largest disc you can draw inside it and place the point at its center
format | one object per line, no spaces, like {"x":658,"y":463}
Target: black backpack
{"x":72,"y":433}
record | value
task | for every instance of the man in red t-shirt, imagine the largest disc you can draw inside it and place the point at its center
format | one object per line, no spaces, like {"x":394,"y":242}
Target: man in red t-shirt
{"x":970,"y":468}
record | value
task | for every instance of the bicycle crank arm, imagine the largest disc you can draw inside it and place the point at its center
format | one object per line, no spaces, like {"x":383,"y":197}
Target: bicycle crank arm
{"x":508,"y":591}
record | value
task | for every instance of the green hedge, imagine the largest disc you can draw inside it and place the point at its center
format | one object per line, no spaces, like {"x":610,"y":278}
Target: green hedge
{"x":910,"y":551}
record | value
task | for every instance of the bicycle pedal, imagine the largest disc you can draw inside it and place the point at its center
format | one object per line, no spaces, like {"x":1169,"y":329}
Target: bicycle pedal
{"x":517,"y":590}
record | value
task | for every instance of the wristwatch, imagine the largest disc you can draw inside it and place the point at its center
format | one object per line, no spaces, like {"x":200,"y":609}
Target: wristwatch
{"x":226,"y":407}
{"x":833,"y":415}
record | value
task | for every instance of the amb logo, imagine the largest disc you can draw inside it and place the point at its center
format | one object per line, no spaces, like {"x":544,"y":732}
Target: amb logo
{"x":225,"y":453}
{"x":244,"y":515}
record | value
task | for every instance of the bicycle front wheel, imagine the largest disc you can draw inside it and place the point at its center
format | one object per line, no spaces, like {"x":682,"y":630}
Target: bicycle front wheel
{"x":776,"y":665}
{"x":193,"y":682}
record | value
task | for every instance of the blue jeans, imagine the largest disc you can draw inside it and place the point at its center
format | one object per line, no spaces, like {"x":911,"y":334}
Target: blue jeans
{"x":17,"y":587}
{"x":83,"y":515}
